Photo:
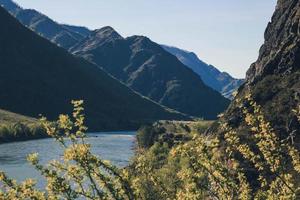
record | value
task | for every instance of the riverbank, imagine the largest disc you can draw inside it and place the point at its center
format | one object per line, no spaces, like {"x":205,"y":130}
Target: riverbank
{"x":14,"y":132}
{"x":117,"y":147}
{"x":170,"y":132}
{"x":155,"y":166}
{"x":15,"y":127}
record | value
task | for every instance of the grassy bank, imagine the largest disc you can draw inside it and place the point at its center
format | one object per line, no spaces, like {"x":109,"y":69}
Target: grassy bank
{"x":15,"y":127}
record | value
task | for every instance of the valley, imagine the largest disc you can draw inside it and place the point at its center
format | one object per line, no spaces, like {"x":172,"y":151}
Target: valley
{"x":108,"y":113}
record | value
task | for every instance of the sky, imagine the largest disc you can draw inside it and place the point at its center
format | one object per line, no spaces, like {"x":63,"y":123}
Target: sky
{"x":224,"y":33}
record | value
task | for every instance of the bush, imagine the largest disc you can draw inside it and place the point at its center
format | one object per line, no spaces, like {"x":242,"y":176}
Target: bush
{"x":147,"y":135}
{"x":221,"y":166}
{"x":204,"y":167}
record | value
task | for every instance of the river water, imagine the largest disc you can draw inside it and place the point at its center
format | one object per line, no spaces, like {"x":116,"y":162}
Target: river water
{"x":118,"y":147}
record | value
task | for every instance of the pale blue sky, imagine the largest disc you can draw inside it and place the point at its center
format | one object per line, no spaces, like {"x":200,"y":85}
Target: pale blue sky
{"x":225,"y":33}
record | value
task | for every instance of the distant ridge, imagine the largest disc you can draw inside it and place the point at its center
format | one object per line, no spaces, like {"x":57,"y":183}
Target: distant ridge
{"x":63,"y":35}
{"x":211,"y":76}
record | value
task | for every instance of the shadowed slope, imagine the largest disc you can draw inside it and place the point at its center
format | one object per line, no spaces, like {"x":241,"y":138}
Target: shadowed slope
{"x":211,"y":76}
{"x":148,"y":69}
{"x":37,"y":77}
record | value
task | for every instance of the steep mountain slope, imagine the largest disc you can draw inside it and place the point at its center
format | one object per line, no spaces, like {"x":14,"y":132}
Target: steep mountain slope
{"x":63,"y":35}
{"x":148,"y":69}
{"x":78,"y":29}
{"x":274,"y":79}
{"x":211,"y":76}
{"x":37,"y":77}
{"x":10,"y":6}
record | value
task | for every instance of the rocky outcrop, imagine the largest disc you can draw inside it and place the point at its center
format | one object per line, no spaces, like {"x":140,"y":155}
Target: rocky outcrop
{"x":280,"y":54}
{"x":274,"y":79}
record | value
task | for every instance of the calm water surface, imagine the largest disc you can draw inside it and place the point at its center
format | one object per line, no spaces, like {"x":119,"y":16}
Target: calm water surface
{"x":114,"y":146}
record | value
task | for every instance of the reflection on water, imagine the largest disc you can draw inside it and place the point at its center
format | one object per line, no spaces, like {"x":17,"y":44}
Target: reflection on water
{"x":114,"y":146}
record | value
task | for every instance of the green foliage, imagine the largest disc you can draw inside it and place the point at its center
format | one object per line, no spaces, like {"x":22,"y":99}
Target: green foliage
{"x":196,"y":166}
{"x":15,"y":127}
{"x":79,"y":174}
{"x":19,"y":131}
{"x":169,"y":132}
{"x":222,"y":166}
{"x":146,"y":135}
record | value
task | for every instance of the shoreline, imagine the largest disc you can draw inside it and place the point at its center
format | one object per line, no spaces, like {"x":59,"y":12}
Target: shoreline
{"x":93,"y":134}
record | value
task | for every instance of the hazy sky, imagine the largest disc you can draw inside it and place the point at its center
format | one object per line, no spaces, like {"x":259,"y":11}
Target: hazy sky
{"x":224,"y":33}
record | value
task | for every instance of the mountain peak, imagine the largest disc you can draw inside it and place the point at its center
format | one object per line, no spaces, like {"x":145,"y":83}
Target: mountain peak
{"x":147,"y":68}
{"x":97,"y":38}
{"x":138,"y":42}
{"x":106,"y":32}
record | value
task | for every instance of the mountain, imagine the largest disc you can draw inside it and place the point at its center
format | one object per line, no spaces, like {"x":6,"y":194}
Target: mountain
{"x":78,"y":29}
{"x":37,"y":77}
{"x":148,"y":69}
{"x":63,"y":35}
{"x":165,"y":92}
{"x":211,"y":76}
{"x":274,"y":79}
{"x":10,"y":6}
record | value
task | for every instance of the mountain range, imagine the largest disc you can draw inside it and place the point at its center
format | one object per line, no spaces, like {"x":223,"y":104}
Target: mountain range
{"x":63,"y":35}
{"x":211,"y":76}
{"x":147,"y":68}
{"x":68,"y":35}
{"x":141,"y":64}
{"x":38,"y":77}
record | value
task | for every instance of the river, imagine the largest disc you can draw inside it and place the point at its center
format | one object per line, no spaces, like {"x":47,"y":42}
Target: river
{"x":118,"y":147}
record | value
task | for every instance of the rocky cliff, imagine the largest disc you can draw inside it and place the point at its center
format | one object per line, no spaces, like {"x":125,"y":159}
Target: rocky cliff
{"x":274,"y":79}
{"x":280,"y":53}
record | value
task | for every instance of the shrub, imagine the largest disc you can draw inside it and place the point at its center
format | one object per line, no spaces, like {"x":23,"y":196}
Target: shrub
{"x":220,"y":166}
{"x":205,"y":167}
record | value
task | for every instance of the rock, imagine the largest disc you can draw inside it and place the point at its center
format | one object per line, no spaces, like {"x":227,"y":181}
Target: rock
{"x":274,"y":79}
